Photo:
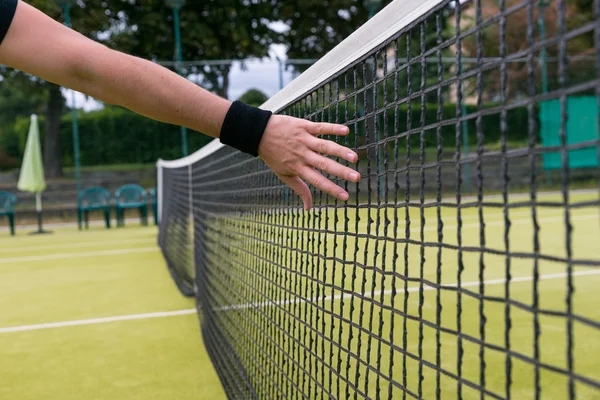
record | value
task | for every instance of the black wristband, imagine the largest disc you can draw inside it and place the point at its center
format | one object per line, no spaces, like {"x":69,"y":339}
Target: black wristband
{"x":244,"y":126}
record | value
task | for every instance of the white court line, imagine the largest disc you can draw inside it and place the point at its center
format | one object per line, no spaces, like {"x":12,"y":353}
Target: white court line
{"x":98,"y":243}
{"x":69,"y":224}
{"x":95,"y":321}
{"x":63,"y":256}
{"x":410,"y":290}
{"x":264,"y":304}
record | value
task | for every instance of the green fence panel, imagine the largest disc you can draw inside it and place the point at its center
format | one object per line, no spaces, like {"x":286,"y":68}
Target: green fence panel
{"x":582,"y":126}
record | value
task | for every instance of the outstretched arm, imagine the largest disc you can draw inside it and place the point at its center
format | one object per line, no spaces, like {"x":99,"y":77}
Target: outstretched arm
{"x":40,"y":46}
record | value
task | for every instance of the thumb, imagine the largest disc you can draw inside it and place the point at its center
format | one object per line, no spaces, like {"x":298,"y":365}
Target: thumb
{"x":300,"y":188}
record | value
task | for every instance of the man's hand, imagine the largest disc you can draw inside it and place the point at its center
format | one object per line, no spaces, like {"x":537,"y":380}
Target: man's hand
{"x":291,"y":149}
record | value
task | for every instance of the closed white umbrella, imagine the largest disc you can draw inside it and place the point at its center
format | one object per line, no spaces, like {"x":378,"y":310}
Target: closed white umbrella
{"x":31,"y":177}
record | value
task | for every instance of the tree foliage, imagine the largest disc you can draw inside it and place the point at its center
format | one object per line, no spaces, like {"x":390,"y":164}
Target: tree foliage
{"x":15,"y":101}
{"x":317,"y":26}
{"x":224,"y":30}
{"x":254,"y":97}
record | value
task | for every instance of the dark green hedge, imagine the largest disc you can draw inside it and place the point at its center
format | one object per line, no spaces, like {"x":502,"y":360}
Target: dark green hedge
{"x":117,"y":136}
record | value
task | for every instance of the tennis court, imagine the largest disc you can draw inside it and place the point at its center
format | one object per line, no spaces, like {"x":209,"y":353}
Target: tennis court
{"x":465,"y":264}
{"x":95,"y":315}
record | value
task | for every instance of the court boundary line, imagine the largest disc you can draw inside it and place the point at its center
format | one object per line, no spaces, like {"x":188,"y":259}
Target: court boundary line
{"x":132,"y":317}
{"x":96,"y":321}
{"x":77,"y":245}
{"x":66,"y":256}
{"x":69,"y":224}
{"x":376,"y":293}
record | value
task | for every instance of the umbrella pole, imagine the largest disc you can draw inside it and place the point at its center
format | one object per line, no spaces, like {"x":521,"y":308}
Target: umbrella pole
{"x":38,"y":209}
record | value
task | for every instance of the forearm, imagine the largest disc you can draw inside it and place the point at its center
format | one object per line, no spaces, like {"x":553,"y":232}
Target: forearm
{"x":151,"y":90}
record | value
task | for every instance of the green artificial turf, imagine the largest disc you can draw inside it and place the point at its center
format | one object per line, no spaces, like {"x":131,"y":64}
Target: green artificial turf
{"x":71,"y":276}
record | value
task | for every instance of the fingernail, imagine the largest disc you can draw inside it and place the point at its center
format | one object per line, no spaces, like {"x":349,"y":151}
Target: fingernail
{"x":354,"y":176}
{"x":343,"y":196}
{"x":344,"y":129}
{"x":351,"y":156}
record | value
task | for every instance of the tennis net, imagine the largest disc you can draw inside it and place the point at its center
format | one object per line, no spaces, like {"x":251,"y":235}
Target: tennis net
{"x":466,"y":262}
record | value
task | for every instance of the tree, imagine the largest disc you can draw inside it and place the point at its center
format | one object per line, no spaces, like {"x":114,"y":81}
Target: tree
{"x":223,"y":30}
{"x":254,"y":97}
{"x":16,"y":102}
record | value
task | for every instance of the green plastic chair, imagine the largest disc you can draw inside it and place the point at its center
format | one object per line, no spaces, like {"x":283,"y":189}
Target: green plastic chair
{"x":93,"y":199}
{"x":7,"y":207}
{"x":131,"y":197}
{"x":154,"y":205}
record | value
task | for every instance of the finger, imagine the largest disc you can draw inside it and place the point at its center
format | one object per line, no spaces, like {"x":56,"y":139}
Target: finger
{"x":332,"y":149}
{"x":324,"y":128}
{"x":332,"y":167}
{"x":300,"y":188}
{"x":320,"y":182}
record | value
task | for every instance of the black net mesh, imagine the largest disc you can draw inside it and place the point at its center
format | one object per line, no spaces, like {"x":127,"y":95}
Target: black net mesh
{"x":466,"y":262}
{"x":177,"y":228}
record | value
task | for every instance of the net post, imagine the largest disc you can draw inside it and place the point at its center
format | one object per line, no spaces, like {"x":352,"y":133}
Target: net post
{"x":191,"y":222}
{"x":159,"y":187}
{"x":190,"y":195}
